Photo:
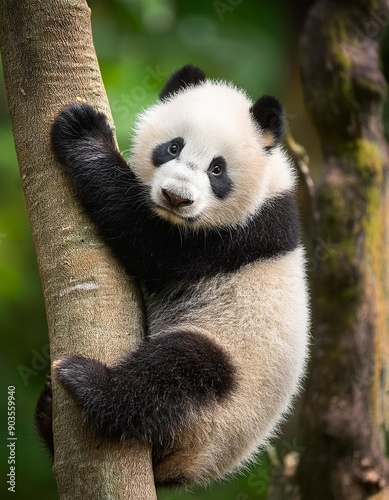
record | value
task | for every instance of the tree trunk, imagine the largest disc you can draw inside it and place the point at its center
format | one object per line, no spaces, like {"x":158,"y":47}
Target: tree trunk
{"x":92,"y":309}
{"x":346,"y":411}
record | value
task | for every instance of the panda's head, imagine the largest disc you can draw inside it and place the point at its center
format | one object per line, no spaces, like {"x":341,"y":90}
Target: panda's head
{"x":205,"y":151}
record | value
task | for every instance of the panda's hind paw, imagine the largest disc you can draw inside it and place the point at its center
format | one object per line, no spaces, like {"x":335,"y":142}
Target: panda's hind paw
{"x":44,"y":416}
{"x":80,"y":376}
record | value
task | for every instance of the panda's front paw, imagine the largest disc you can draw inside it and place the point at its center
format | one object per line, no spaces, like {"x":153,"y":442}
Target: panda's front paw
{"x":78,"y":131}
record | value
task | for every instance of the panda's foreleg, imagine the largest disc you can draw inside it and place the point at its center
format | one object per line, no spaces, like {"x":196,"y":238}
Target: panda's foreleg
{"x":153,"y":392}
{"x":104,"y":184}
{"x":83,"y":142}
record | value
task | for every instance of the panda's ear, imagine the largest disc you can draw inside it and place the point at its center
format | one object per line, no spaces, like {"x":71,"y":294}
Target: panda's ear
{"x":182,"y":78}
{"x":269,"y":114}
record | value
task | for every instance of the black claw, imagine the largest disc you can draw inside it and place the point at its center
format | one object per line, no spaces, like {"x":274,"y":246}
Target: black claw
{"x":44,"y":417}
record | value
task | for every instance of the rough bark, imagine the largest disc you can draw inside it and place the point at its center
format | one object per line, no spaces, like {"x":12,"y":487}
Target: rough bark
{"x":345,"y":413}
{"x":92,"y":309}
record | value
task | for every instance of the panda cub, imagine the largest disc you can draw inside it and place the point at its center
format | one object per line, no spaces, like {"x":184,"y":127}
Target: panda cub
{"x":205,"y":220}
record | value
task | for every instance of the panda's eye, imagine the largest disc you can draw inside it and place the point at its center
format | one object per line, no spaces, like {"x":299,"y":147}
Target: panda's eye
{"x":216,"y":170}
{"x":173,"y":149}
{"x":217,"y":166}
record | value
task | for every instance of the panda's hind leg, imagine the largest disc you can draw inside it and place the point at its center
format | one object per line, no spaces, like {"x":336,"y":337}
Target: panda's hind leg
{"x":204,"y":451}
{"x":153,"y":393}
{"x":178,"y":465}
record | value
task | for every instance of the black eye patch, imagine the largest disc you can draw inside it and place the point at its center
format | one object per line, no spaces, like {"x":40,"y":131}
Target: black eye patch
{"x":167,"y":151}
{"x":219,"y":179}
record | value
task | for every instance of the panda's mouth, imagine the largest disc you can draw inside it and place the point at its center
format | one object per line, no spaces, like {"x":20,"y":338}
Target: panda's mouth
{"x":173,"y":215}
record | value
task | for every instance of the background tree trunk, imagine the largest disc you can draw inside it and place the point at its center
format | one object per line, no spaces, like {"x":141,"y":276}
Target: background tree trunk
{"x":92,"y":309}
{"x":346,"y":410}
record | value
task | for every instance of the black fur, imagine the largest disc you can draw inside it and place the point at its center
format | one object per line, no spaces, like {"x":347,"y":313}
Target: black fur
{"x":221,"y":185}
{"x":182,"y":78}
{"x":161,"y":154}
{"x":86,"y":134}
{"x":44,"y":416}
{"x":269,"y":114}
{"x":151,"y":249}
{"x":153,"y":391}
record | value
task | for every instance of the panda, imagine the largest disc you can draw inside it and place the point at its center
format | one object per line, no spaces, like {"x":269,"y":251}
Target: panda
{"x":205,"y":220}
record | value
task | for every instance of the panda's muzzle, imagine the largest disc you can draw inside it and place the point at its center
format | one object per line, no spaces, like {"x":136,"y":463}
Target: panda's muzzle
{"x":174,"y":200}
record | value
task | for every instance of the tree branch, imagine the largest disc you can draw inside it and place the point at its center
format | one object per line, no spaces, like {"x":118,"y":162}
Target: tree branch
{"x":92,"y":309}
{"x":300,"y":158}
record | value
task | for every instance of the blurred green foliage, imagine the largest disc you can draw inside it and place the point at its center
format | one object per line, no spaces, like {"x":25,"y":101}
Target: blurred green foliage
{"x":138,"y":43}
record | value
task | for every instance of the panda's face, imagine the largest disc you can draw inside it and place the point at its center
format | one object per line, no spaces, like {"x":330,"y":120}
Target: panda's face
{"x":185,"y":184}
{"x":202,"y":157}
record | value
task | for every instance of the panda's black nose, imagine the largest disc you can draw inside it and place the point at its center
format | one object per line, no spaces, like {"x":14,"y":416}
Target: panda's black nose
{"x":176,"y":201}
